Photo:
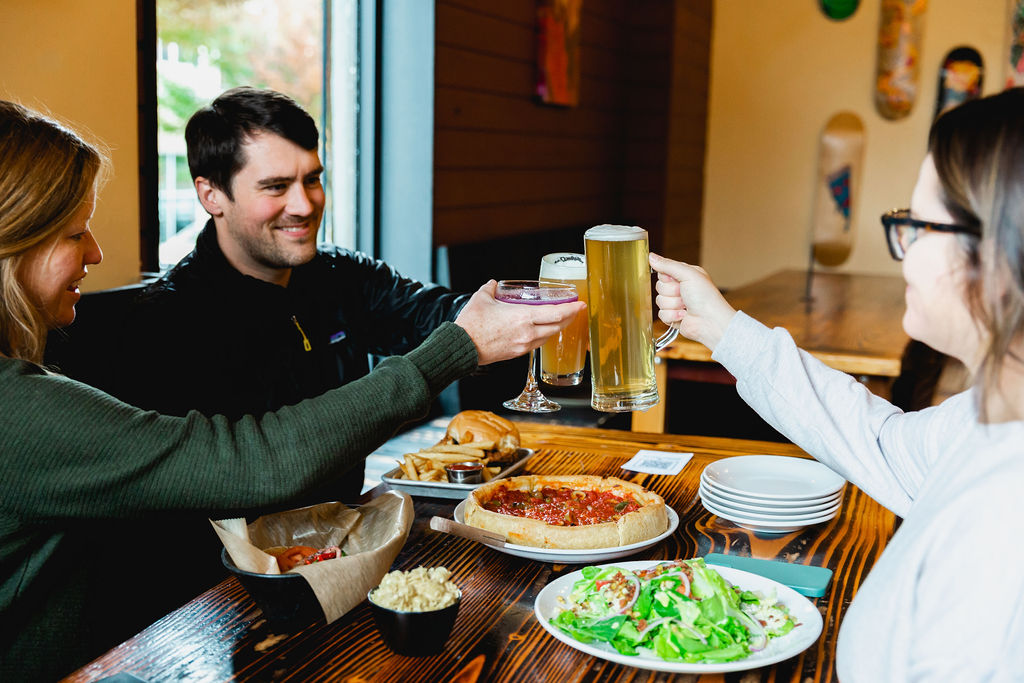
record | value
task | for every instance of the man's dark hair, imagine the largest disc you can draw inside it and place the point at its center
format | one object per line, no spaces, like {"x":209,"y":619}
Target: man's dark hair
{"x":215,"y":134}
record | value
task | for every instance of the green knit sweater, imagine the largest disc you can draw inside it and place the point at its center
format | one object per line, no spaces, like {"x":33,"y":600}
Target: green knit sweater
{"x":73,"y":458}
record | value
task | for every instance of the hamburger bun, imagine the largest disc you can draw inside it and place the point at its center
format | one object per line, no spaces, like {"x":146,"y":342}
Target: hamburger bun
{"x":483,"y":425}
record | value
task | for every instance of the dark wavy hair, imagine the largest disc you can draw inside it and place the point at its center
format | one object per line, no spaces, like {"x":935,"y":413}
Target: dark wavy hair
{"x":216,"y":133}
{"x":978,"y":150}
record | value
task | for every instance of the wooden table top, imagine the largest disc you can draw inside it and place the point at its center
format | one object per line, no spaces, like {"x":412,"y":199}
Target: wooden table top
{"x":221,"y":634}
{"x":854,"y":322}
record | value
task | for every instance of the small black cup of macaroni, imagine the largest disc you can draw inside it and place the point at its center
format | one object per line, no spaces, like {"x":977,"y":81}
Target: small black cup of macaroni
{"x":415,"y":611}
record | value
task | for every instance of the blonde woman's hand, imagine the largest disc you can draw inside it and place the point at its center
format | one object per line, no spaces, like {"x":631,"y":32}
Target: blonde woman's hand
{"x":502,"y":330}
{"x":689,"y":300}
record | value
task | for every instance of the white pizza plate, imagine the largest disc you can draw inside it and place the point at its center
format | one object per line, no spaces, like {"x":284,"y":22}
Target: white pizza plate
{"x":771,"y":527}
{"x":446,"y":489}
{"x":773,"y":477}
{"x":547,"y":606}
{"x":589,"y":556}
{"x":770,"y":512}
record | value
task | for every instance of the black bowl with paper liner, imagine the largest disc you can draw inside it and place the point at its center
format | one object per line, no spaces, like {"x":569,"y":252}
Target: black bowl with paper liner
{"x":370,"y":537}
{"x":287,"y":600}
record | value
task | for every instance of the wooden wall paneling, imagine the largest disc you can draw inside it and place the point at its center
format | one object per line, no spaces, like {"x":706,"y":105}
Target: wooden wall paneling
{"x":505,"y":149}
{"x":506,"y":165}
{"x":525,"y":219}
{"x":483,"y":187}
{"x":457,"y":109}
{"x":515,"y":11}
{"x":482,"y":72}
{"x":473,"y":29}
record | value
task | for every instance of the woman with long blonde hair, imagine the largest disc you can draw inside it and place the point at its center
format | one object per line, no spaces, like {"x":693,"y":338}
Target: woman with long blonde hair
{"x":48,"y":184}
{"x":73,"y":458}
{"x":945,"y":601}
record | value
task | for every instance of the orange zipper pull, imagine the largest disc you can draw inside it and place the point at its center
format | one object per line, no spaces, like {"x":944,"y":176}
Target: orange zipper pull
{"x":305,"y":340}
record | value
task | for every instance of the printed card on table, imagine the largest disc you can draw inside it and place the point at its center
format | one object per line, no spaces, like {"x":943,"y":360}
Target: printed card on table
{"x":658,"y":462}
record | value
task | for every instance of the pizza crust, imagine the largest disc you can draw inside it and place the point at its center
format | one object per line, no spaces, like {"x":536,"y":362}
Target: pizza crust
{"x":639,"y":525}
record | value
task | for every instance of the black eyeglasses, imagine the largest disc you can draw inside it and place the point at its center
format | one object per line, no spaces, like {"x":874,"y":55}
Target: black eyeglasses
{"x":901,"y":230}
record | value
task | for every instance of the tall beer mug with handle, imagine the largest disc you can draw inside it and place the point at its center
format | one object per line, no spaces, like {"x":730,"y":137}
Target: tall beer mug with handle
{"x":622,"y":345}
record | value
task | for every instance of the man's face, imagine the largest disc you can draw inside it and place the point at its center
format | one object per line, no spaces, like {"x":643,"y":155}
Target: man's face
{"x":271,"y":224}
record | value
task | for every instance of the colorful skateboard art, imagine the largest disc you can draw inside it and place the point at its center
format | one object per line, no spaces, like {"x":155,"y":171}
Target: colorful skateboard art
{"x":899,"y":56}
{"x":840,"y":158}
{"x":839,"y":9}
{"x":960,"y":78}
{"x":1015,"y":63}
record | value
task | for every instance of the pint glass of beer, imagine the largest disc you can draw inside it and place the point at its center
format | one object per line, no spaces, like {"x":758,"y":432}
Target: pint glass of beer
{"x":563,"y":356}
{"x":621,"y":320}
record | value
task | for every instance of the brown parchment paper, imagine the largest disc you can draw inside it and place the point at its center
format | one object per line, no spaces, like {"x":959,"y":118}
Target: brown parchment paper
{"x":371,"y":536}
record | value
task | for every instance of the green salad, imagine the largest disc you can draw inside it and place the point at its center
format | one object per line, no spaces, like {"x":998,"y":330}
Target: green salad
{"x":680,"y":611}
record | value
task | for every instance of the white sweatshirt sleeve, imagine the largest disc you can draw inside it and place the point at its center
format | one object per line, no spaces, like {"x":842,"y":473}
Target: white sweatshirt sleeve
{"x":866,"y":439}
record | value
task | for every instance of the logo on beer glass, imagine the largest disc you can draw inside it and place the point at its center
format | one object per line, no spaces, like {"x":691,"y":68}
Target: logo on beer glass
{"x":622,"y":343}
{"x":563,"y":357}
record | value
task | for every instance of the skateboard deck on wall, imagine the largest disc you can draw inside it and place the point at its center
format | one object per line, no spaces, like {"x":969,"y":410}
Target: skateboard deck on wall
{"x":840,"y":158}
{"x":900,"y":33}
{"x":960,"y":78}
{"x":838,"y":9}
{"x":1015,"y":51}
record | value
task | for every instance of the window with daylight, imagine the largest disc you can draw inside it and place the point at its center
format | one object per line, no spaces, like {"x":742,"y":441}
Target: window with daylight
{"x":204,"y":47}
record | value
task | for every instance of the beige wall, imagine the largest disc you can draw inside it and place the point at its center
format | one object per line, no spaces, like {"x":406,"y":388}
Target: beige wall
{"x":779,"y":71}
{"x":76,"y":60}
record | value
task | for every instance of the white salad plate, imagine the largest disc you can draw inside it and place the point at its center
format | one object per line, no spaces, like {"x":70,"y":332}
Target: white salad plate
{"x":832,"y":503}
{"x":766,"y":503}
{"x":547,"y":606}
{"x":772,"y":477}
{"x":775,"y":526}
{"x":589,"y":556}
{"x":446,"y":489}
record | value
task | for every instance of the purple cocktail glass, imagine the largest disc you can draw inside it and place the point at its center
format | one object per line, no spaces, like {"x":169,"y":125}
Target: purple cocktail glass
{"x":534,"y":293}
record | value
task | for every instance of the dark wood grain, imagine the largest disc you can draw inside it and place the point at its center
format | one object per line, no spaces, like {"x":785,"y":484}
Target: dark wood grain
{"x":221,"y":635}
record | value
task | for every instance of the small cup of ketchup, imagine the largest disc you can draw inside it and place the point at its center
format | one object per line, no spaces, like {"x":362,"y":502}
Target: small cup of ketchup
{"x":465,"y":472}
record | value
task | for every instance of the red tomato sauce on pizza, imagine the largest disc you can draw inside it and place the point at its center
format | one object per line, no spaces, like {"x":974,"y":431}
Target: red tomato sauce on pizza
{"x":562,"y":506}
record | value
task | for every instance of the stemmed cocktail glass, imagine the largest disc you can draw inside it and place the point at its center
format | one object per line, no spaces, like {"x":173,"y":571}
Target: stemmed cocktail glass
{"x":534,"y":293}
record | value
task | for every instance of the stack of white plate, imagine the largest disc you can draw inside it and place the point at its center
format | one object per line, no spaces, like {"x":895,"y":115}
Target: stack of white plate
{"x":771,"y":494}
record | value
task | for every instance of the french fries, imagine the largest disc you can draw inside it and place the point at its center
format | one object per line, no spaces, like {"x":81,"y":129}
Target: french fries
{"x":428,"y":464}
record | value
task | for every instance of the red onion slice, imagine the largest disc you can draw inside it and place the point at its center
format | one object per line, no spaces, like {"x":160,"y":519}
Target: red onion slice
{"x":685,"y":582}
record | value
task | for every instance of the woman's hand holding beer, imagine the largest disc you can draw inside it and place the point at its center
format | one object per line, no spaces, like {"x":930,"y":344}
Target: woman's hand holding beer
{"x":501,"y":330}
{"x":689,"y":300}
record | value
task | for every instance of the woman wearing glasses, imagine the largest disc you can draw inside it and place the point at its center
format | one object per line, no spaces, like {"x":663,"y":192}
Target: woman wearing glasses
{"x":938,"y":604}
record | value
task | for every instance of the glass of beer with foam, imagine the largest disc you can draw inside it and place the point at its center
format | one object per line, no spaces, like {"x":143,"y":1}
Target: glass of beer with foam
{"x":622,"y":345}
{"x":563,"y":357}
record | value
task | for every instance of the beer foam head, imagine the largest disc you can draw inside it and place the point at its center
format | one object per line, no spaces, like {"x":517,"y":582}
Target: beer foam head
{"x":615,"y":233}
{"x":564,"y":266}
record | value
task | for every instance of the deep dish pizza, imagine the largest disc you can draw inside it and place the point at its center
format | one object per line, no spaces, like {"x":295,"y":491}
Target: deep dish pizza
{"x":569,"y":512}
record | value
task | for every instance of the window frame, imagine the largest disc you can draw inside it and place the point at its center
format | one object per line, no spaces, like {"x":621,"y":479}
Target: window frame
{"x":149,"y":224}
{"x":148,"y":124}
